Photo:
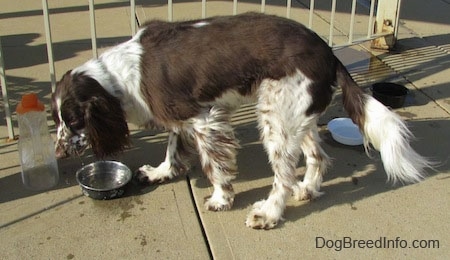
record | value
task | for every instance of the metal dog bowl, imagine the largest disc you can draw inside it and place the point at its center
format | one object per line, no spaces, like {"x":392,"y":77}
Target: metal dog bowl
{"x":390,"y":94}
{"x":104,"y":180}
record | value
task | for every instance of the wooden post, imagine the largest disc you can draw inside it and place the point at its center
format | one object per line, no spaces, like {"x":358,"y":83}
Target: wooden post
{"x":388,"y":12}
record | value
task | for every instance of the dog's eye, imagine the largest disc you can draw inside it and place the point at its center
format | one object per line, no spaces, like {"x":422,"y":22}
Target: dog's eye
{"x":74,"y":125}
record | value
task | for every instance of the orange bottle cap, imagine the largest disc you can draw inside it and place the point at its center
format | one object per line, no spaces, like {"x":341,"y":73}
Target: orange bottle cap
{"x":30,"y":102}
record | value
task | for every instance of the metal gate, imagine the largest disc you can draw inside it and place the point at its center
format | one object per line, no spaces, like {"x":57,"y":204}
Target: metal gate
{"x":380,"y":17}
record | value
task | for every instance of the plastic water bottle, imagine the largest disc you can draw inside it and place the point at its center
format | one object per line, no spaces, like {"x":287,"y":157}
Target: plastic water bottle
{"x":36,"y":147}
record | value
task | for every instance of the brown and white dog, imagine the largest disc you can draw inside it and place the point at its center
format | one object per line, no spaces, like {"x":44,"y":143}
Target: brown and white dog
{"x":189,"y":77}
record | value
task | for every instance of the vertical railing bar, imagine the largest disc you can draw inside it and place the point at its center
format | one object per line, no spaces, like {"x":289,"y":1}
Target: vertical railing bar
{"x":93,"y":28}
{"x":333,"y":11}
{"x":352,"y":22}
{"x":203,"y":8}
{"x":288,"y":8}
{"x":133,"y":17}
{"x":397,"y":20}
{"x":370,"y":26}
{"x":5,"y":95}
{"x":235,"y":3}
{"x":170,"y":10}
{"x":311,"y":14}
{"x":48,"y":38}
{"x":263,"y":6}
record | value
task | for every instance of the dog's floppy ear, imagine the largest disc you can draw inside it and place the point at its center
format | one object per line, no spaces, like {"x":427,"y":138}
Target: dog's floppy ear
{"x":105,"y":125}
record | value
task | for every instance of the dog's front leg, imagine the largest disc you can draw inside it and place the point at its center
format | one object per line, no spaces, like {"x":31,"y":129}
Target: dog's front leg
{"x":179,"y":148}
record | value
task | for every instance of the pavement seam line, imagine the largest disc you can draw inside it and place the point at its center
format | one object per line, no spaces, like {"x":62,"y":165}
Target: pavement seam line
{"x":197,"y":214}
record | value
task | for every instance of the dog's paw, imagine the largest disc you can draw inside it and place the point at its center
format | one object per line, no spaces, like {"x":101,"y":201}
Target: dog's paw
{"x":214,"y":205}
{"x":150,"y":174}
{"x":219,"y":201}
{"x":259,"y":219}
{"x":304,"y":191}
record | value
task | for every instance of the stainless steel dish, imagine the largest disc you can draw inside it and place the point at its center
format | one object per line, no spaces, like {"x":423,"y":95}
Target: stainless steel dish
{"x":104,"y":180}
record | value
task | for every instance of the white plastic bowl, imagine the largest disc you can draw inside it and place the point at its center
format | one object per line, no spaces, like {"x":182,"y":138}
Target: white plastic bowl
{"x":344,"y":131}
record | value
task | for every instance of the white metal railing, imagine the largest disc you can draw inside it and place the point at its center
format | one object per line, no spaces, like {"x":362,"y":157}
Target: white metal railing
{"x":387,"y":15}
{"x":5,"y":95}
{"x":48,"y":33}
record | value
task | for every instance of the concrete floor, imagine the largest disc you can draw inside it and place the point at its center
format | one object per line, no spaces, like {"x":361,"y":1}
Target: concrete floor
{"x":168,"y":221}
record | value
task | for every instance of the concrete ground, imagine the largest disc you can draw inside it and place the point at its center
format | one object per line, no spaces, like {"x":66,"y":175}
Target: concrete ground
{"x":168,"y":221}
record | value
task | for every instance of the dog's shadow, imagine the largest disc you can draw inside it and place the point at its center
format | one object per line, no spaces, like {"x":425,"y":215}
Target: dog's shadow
{"x":352,"y":177}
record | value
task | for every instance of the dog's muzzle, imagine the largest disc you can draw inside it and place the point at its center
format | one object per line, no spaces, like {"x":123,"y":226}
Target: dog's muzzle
{"x":76,"y":145}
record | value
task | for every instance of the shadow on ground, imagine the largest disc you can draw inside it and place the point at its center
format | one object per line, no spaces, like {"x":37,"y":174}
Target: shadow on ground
{"x":353,"y":176}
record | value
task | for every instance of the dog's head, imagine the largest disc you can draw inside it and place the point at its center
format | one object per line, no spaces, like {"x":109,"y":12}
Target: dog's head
{"x":86,"y":114}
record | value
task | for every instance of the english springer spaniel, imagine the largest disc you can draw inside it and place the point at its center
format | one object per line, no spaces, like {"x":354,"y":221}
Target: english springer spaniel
{"x":189,"y":77}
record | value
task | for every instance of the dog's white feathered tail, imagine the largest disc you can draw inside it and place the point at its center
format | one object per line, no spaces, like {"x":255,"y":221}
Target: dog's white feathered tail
{"x":388,"y":133}
{"x":384,"y":129}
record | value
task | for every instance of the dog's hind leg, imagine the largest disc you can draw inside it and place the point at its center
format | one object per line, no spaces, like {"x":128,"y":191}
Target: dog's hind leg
{"x":317,"y":162}
{"x":179,"y":148}
{"x":217,"y":148}
{"x":282,"y":106}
